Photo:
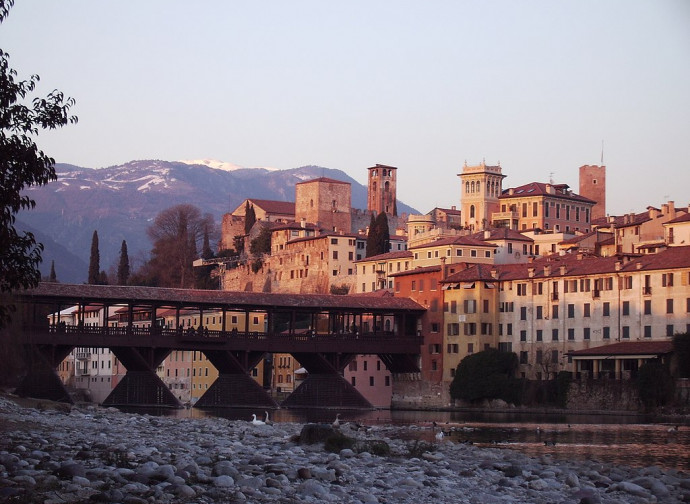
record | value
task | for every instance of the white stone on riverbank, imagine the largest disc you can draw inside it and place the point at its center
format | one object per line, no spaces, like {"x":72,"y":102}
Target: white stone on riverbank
{"x":102,"y":455}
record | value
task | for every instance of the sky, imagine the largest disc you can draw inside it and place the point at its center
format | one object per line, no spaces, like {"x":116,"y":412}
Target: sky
{"x":540,"y":86}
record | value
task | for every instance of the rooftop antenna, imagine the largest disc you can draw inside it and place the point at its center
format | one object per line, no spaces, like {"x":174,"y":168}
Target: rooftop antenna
{"x":551,"y":178}
{"x":602,"y":152}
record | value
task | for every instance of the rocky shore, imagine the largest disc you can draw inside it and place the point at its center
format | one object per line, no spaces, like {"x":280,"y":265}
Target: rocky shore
{"x":91,"y":454}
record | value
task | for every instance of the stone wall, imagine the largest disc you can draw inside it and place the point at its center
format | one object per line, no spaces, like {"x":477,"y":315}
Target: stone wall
{"x":409,"y":391}
{"x":620,"y":395}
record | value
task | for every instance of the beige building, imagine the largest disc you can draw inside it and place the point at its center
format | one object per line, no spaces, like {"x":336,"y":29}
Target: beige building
{"x":481,"y":188}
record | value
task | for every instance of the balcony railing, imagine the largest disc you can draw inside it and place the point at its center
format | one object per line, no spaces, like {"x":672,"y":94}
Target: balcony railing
{"x":647,"y":291}
{"x":554,"y":296}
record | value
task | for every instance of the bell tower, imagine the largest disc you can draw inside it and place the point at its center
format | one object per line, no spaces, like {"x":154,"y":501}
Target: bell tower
{"x":481,"y":189}
{"x":381,"y":194}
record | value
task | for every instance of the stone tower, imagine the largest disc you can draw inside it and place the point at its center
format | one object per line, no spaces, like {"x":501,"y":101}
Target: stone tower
{"x":593,"y":186}
{"x":381,"y":195}
{"x":481,"y":188}
{"x":325,"y":202}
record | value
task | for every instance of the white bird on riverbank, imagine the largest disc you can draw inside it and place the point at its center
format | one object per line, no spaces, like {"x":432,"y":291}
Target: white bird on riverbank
{"x":257,"y":422}
{"x":336,"y":422}
{"x":267,"y":421}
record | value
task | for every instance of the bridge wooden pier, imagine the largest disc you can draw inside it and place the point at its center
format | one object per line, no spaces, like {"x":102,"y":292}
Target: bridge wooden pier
{"x":386,"y":326}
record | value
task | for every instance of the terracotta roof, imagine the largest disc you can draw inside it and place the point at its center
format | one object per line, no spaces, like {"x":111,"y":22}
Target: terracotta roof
{"x":274,"y":207}
{"x":449,"y":211}
{"x":502,"y":234}
{"x":587,"y":264}
{"x":323,"y":179}
{"x":472,"y":272}
{"x":539,"y":189}
{"x":401,"y":254}
{"x":455,"y":240}
{"x":277,"y":226}
{"x":416,"y":271}
{"x":627,"y":348}
{"x":678,"y":220}
{"x":164,"y":297}
{"x":322,"y":236}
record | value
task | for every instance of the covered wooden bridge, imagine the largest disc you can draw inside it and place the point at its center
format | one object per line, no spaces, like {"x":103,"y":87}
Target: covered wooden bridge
{"x":323,"y":332}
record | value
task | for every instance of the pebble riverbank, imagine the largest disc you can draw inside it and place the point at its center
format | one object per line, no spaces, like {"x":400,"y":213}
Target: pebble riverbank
{"x":92,"y":454}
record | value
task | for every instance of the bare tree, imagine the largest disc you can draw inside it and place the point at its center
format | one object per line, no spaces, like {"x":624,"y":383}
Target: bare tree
{"x":177,"y":234}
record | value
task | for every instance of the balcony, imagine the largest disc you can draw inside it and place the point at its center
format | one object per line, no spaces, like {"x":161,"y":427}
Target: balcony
{"x":647,"y":291}
{"x":83,"y":355}
{"x":554,"y":296}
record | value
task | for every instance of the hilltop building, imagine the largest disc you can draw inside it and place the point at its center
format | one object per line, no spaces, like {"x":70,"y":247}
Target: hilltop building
{"x":382,"y":190}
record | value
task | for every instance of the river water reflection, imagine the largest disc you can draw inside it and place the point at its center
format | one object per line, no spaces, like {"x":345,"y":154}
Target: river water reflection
{"x":629,"y":440}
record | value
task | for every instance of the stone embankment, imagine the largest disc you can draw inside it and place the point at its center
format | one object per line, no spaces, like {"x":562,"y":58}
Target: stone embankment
{"x":69,"y":455}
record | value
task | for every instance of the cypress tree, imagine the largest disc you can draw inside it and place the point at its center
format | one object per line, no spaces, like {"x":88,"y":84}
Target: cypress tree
{"x":249,"y":217}
{"x":53,"y":276}
{"x":94,"y":261}
{"x":206,"y":252}
{"x":384,"y":235}
{"x":371,"y":237}
{"x":123,"y":266}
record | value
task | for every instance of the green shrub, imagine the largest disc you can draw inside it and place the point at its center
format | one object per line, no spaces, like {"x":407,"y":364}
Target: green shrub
{"x":375,"y":447}
{"x":681,"y":349}
{"x":655,"y":385}
{"x":487,"y":375}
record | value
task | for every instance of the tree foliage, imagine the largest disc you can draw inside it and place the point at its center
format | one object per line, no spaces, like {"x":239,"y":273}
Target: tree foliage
{"x":176,"y":234}
{"x":486,"y":375}
{"x":681,"y":350}
{"x":378,"y":239}
{"x":262,"y":243}
{"x":94,"y":261}
{"x":249,"y":217}
{"x":22,"y":165}
{"x":123,"y":265}
{"x":655,"y":385}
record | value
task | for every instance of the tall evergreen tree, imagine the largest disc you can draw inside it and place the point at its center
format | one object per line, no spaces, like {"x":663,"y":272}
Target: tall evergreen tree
{"x":94,"y":261}
{"x":53,"y":276}
{"x":123,"y":266}
{"x":206,"y":252}
{"x":371,"y":237}
{"x":249,"y":217}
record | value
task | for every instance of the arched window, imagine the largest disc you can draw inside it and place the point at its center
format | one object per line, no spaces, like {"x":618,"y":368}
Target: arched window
{"x":386,"y":186}
{"x":311,"y":203}
{"x":467,"y":187}
{"x":471,"y":211}
{"x":373,"y":186}
{"x":472,"y":186}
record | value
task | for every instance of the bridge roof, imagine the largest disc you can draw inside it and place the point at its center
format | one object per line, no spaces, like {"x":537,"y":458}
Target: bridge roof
{"x":47,"y":292}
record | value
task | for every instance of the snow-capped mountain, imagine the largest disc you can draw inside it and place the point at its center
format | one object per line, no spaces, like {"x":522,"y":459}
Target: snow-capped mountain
{"x":121,"y":202}
{"x":218,"y":165}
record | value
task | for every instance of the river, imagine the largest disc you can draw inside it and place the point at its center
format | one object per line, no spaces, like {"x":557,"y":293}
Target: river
{"x":629,"y":440}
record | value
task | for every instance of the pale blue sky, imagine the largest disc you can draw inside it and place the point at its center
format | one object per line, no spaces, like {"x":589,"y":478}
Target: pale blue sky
{"x":424,"y":86}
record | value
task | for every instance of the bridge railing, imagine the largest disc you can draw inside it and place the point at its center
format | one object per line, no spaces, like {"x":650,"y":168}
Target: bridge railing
{"x":209,"y":336}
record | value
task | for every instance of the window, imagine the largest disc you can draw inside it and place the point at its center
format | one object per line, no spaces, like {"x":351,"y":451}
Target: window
{"x":647,"y":331}
{"x":523,"y":335}
{"x":470,"y":348}
{"x":554,"y":312}
{"x":571,"y":311}
{"x":540,"y":312}
{"x":667,"y":280}
{"x":523,"y":313}
{"x":510,"y":329}
{"x":434,"y":326}
{"x":607,"y":332}
{"x":669,"y":306}
{"x":486,"y":328}
{"x":470,"y":305}
{"x":647,"y":306}
{"x":669,"y":330}
{"x":626,"y":332}
{"x":585,"y":333}
{"x":626,"y":307}
{"x":586,"y":309}
{"x":485,"y":304}
{"x":470,"y":328}
{"x":453,"y":306}
{"x":606,"y":309}
{"x":571,"y":334}
{"x":453,"y":329}
{"x":523,"y":357}
{"x":554,"y":334}
{"x":540,"y":335}
{"x":522,"y":289}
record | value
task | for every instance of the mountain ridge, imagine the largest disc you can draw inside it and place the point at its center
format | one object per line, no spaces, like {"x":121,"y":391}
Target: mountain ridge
{"x":121,"y":202}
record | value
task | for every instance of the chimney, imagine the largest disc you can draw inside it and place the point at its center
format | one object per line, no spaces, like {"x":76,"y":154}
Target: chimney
{"x":453,"y":208}
{"x":638,"y":265}
{"x":530,"y":272}
{"x":618,"y":265}
{"x":547,"y":270}
{"x":443,"y":268}
{"x":494,"y":273}
{"x":563,"y":270}
{"x":487,"y":234}
{"x":303,"y":222}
